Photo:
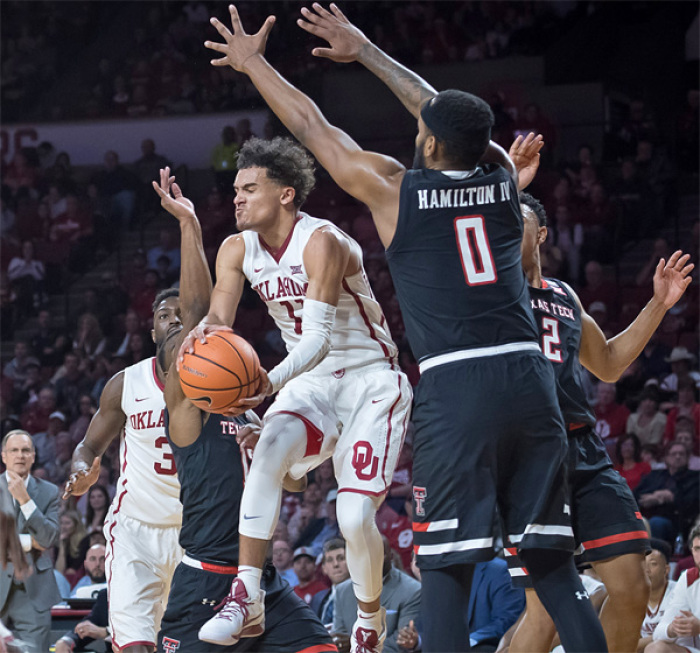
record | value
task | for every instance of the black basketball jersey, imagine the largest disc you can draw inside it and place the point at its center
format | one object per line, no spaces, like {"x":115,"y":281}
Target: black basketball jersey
{"x":455,"y":261}
{"x":212,"y":472}
{"x":558,"y":318}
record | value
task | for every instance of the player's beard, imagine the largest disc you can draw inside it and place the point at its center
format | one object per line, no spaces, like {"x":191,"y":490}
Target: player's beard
{"x":419,"y":157}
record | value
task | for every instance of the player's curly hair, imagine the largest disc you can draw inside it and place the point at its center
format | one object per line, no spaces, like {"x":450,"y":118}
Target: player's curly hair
{"x":164,"y":294}
{"x":286,"y":162}
{"x":462,"y":122}
{"x":536,"y":206}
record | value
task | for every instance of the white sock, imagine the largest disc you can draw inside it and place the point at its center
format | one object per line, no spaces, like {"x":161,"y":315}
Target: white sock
{"x":251,"y":577}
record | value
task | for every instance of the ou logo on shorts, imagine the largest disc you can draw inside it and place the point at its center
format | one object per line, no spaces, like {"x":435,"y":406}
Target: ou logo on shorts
{"x":362,"y":458}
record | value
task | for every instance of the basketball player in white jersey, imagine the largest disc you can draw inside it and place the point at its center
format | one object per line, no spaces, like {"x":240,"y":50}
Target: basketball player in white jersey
{"x":144,"y":520}
{"x":341,"y":393}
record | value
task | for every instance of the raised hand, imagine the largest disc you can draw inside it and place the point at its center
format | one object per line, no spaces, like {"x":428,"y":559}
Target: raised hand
{"x":177,"y":204}
{"x":239,"y":46}
{"x":671,"y":279}
{"x":525,"y":153}
{"x":82,"y":479}
{"x":344,"y":38}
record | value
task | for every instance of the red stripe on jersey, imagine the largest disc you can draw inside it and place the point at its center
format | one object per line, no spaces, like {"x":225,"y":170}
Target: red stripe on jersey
{"x":314,"y":435}
{"x":368,"y":324}
{"x":638,"y":515}
{"x":277,"y":254}
{"x":421,"y":527}
{"x":319,"y":648}
{"x":155,"y":376}
{"x":543,"y":283}
{"x":219,"y":569}
{"x":614,"y":539}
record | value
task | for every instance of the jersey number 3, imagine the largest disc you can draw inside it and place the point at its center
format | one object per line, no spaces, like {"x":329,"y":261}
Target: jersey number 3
{"x":161,"y":468}
{"x":475,"y":251}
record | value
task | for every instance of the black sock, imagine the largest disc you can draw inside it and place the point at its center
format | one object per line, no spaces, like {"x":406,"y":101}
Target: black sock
{"x":445,"y":608}
{"x":559,"y":588}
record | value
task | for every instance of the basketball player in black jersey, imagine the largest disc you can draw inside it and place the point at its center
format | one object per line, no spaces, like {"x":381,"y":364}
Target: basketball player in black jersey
{"x":489,"y":433}
{"x":211,"y":459}
{"x":606,"y":520}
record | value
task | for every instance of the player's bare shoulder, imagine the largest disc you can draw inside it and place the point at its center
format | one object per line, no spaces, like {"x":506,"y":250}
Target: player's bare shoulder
{"x":111,"y":397}
{"x":232,"y":252}
{"x":328,"y":245}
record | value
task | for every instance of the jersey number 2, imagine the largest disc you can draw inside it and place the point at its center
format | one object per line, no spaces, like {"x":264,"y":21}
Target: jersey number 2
{"x":550,"y":338}
{"x":475,"y":251}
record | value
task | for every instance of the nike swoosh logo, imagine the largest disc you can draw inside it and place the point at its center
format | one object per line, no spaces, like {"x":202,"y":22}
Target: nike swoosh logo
{"x":251,"y":516}
{"x":376,"y":401}
{"x":257,"y":269}
{"x":144,"y":399}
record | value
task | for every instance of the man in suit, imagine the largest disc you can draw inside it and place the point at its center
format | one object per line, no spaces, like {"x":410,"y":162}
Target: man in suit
{"x":334,"y":565}
{"x":25,"y":605}
{"x":400,"y":598}
{"x":494,"y":604}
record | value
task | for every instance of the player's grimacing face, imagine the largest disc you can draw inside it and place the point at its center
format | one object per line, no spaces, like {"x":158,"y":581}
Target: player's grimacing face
{"x":258,"y":199}
{"x":167,"y":320}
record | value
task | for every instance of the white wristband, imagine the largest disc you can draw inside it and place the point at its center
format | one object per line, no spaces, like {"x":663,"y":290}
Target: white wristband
{"x":316,"y":328}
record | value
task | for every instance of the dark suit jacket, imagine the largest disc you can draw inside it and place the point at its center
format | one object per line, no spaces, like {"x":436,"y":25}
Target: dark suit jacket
{"x":494,"y":604}
{"x":400,"y":597}
{"x":318,"y":601}
{"x":42,"y":525}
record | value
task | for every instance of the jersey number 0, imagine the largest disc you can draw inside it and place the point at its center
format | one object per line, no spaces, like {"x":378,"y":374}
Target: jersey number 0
{"x":475,"y":251}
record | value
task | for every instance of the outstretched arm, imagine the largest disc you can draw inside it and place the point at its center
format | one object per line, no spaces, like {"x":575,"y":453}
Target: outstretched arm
{"x":371,"y":178}
{"x":608,"y":359}
{"x":348,"y":43}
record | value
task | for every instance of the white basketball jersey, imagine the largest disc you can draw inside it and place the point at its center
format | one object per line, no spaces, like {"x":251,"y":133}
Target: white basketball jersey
{"x":148,"y":487}
{"x":360,"y":333}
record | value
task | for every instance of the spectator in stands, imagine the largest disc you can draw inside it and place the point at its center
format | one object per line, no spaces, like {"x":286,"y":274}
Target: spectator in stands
{"x":118,"y":186}
{"x":400,"y":598}
{"x":35,"y":417}
{"x":16,"y":369}
{"x":660,"y":249}
{"x":335,"y":567}
{"x":679,"y":628}
{"x":598,"y":288}
{"x":568,"y":237}
{"x":686,"y":436}
{"x":94,"y":578}
{"x":653,"y":358}
{"x":656,"y":169}
{"x":223,"y":159}
{"x":89,"y":340}
{"x":142,"y":300}
{"x":71,"y":384}
{"x":58,"y":469}
{"x":324,"y":477}
{"x":312,"y":518}
{"x":86,"y":409}
{"x":26,"y":274}
{"x":243,"y":131}
{"x":29,"y":390}
{"x":282,"y":560}
{"x":651,"y":455}
{"x":661,"y":588}
{"x":611,"y":417}
{"x":48,"y":343}
{"x":629,"y":456}
{"x":686,"y":407}
{"x":97,"y":508}
{"x":305,"y":569}
{"x":94,"y":627}
{"x":45,"y":441}
{"x":670,"y":498}
{"x":647,"y":422}
{"x":634,"y":201}
{"x":169,"y":246}
{"x":69,"y":560}
{"x":681,"y":361}
{"x":147,"y":168}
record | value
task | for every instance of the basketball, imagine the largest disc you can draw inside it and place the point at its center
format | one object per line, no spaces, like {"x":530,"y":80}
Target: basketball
{"x":219,"y":372}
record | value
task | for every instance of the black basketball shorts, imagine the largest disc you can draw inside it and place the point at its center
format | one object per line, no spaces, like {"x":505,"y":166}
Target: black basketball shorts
{"x":604,"y":513}
{"x":290,"y":625}
{"x":489,"y":441}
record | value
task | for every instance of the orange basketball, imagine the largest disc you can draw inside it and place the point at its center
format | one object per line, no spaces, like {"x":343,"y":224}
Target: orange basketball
{"x":220,"y":371}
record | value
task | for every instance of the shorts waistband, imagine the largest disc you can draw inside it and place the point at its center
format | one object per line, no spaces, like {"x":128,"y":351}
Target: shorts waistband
{"x":479,"y":352}
{"x":207,"y":566}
